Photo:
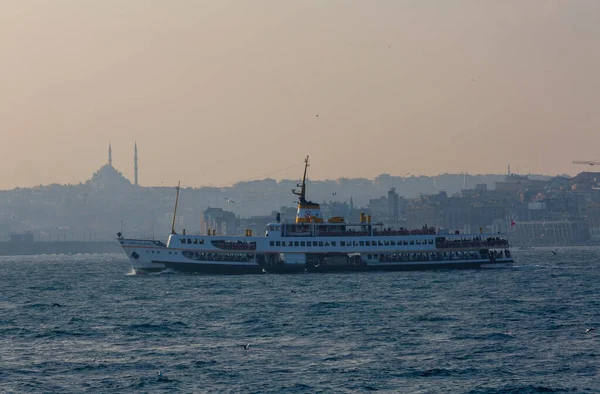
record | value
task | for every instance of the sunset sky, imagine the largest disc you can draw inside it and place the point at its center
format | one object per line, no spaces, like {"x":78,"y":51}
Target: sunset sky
{"x":219,"y":91}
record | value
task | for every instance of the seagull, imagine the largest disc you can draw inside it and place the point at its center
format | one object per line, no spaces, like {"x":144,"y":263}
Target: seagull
{"x":160,"y":374}
{"x":56,"y":304}
{"x":588,"y":330}
{"x":554,"y":253}
{"x":246,"y":346}
{"x":264,"y":271}
{"x":293,"y":291}
{"x":334,"y":193}
{"x":229,"y":200}
{"x":317,"y":115}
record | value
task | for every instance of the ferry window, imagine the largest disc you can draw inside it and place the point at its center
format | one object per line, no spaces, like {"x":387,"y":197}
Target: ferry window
{"x":380,"y":243}
{"x":393,"y":243}
{"x":342,"y":243}
{"x":327,"y":243}
{"x":368,"y":243}
{"x":278,"y":243}
{"x":412,"y":242}
{"x":320,"y":243}
{"x":308,"y":243}
{"x":302,"y":243}
{"x":169,"y":252}
{"x":369,"y":256}
{"x":182,"y":240}
{"x":362,"y":243}
{"x":272,"y":243}
{"x":418,"y":242}
{"x":283,"y":243}
{"x":189,"y":241}
{"x":296,"y":243}
{"x":431,"y":242}
{"x":332,"y":243}
{"x":355,"y":243}
{"x":405,"y":242}
{"x":195,"y":242}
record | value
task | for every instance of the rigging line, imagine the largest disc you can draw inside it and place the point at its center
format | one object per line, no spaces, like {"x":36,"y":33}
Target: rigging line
{"x":259,"y":176}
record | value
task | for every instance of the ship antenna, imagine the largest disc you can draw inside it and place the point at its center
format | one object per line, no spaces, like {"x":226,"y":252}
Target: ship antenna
{"x":175,"y":211}
{"x":302,"y":193}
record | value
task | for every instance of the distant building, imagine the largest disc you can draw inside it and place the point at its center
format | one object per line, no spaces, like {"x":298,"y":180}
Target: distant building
{"x":585,"y":181}
{"x":221,"y":221}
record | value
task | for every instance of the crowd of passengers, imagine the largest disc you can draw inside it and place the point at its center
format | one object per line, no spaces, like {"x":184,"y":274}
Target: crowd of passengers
{"x":238,"y":257}
{"x":499,"y":254}
{"x":402,"y":257}
{"x":326,"y":231}
{"x":472,"y":242}
{"x":237,"y":245}
{"x":402,"y":231}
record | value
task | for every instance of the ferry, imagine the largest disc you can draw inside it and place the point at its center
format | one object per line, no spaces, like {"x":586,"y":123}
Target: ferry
{"x":311,"y":244}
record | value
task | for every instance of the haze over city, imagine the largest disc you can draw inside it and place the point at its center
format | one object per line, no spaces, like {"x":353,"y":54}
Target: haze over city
{"x":219,"y":91}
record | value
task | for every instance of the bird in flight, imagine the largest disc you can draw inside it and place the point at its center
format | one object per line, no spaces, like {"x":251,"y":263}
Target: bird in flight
{"x":229,"y":200}
{"x":588,"y":330}
{"x":246,"y":346}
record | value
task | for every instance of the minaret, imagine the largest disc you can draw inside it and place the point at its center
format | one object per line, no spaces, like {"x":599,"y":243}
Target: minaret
{"x":135,"y":165}
{"x":109,"y":155}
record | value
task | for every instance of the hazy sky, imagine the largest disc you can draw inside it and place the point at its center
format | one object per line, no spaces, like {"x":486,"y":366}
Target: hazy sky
{"x":218,"y":91}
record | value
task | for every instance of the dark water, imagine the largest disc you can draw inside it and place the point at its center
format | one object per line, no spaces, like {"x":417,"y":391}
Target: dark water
{"x":519,"y":330}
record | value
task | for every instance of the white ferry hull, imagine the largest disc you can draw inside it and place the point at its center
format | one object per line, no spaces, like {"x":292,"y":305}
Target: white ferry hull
{"x":219,"y":268}
{"x":141,"y":254}
{"x":148,"y":256}
{"x":391,"y":266}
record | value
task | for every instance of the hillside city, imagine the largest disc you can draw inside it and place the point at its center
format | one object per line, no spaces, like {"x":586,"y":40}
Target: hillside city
{"x":533,"y":210}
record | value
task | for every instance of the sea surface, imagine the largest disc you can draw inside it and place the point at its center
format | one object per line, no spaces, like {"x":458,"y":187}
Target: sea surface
{"x":519,"y":330}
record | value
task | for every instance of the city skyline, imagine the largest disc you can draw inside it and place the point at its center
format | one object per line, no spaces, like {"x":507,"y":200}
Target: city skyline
{"x":133,"y":177}
{"x":218,"y":92}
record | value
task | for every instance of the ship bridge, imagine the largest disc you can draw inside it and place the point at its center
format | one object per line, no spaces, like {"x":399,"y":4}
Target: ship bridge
{"x":273,"y":230}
